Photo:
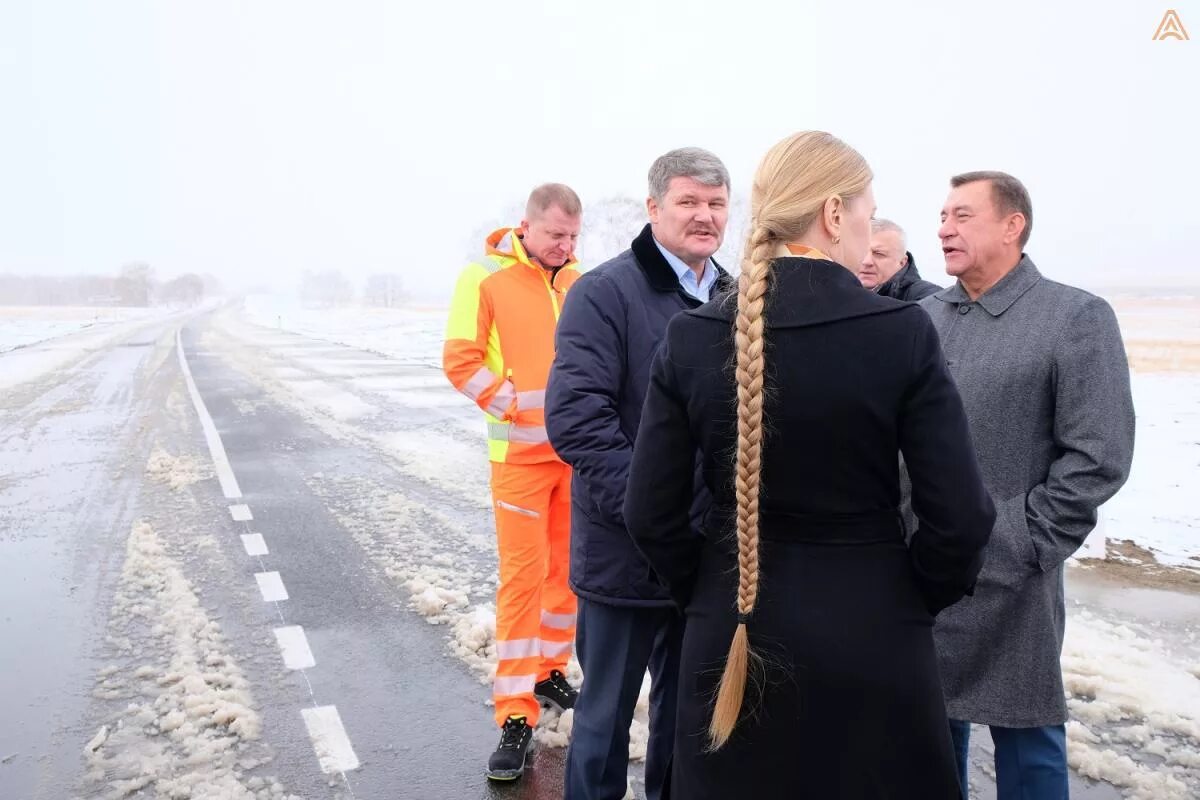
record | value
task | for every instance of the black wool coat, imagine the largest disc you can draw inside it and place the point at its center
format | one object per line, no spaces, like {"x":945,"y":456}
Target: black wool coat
{"x":850,"y":704}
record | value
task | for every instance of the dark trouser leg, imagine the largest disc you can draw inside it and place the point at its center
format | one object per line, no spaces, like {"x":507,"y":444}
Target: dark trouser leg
{"x":960,"y":732}
{"x":613,"y":644}
{"x":664,"y":696}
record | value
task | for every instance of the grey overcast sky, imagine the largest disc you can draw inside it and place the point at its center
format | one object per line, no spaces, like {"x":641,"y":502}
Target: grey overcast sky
{"x":255,"y":139}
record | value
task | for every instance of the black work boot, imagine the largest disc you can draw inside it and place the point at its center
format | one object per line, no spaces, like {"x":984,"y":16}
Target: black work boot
{"x":556,"y":691}
{"x":507,"y":763}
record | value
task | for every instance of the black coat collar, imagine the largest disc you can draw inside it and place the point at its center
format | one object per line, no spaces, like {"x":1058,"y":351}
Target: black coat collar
{"x":906,"y":277}
{"x":804,"y":292}
{"x":660,"y":273}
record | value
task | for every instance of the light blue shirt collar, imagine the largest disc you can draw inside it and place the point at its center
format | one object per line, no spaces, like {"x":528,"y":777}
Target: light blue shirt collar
{"x":700,"y":289}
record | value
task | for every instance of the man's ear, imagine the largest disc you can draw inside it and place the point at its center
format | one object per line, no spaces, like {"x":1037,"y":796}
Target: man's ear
{"x":652,"y":210}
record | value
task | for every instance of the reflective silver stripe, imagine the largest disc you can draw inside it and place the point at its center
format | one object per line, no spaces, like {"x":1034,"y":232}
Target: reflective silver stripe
{"x":504,"y":432}
{"x":526,"y":512}
{"x":503,"y":399}
{"x":555,"y":649}
{"x":478,"y":382}
{"x":527,"y":401}
{"x":513,"y":684}
{"x":528,"y":435}
{"x":562,"y":622}
{"x":518,"y":648}
{"x":490,"y":264}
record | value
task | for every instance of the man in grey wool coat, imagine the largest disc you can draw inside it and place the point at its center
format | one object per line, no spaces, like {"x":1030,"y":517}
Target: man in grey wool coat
{"x":1043,"y":375}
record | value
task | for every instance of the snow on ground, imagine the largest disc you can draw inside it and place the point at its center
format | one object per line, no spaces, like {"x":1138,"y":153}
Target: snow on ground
{"x":403,"y":334}
{"x":21,"y":326}
{"x":178,"y":472}
{"x":1155,"y":509}
{"x":37,"y":340}
{"x":1125,"y":731}
{"x":189,"y":728}
{"x":1135,"y":707}
{"x":313,"y":385}
{"x":441,"y":461}
{"x":437,"y":561}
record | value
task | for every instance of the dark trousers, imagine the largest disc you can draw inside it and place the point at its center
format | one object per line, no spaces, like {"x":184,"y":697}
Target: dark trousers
{"x":615,"y":646}
{"x":1031,"y":763}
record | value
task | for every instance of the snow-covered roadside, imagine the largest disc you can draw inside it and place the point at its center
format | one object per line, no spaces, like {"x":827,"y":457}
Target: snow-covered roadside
{"x":450,"y":578}
{"x":1134,"y":702}
{"x":409,"y":335}
{"x":1157,"y":507}
{"x":31,"y":347}
{"x":315,"y":388}
{"x":189,"y":729}
{"x":22,"y":326}
{"x":177,"y":472}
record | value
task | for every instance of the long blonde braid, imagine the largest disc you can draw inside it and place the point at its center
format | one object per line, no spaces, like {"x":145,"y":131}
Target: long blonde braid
{"x":793,"y":182}
{"x":751,"y":364}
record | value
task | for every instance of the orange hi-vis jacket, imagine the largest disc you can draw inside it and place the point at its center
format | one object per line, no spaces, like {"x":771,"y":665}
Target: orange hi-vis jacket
{"x":500,"y":345}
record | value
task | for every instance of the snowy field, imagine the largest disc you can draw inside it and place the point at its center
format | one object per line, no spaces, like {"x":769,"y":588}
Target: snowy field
{"x":37,"y":340}
{"x":21,"y":326}
{"x":1155,"y":509}
{"x":411,"y":336}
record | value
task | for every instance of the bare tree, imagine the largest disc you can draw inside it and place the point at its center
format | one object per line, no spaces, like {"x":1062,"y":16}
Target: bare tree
{"x":134,"y":284}
{"x":609,"y":225}
{"x":212,"y":285}
{"x":325,"y":289}
{"x":187,"y":289}
{"x":476,"y":244}
{"x":385,"y":291}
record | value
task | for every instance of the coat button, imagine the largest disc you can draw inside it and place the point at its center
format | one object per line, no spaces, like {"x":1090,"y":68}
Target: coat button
{"x":964,"y":309}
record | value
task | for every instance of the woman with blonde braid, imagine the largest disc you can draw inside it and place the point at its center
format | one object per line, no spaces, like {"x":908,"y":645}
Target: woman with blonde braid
{"x":808,"y":666}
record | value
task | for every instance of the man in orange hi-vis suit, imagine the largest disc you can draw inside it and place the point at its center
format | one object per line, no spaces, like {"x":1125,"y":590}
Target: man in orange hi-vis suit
{"x":498,"y":352}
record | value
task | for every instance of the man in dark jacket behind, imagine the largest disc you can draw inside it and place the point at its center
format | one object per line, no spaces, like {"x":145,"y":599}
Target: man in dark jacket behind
{"x":889,"y":269}
{"x":612,"y":323}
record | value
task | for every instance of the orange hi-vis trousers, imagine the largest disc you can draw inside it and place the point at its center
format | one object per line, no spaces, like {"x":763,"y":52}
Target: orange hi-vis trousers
{"x":535,"y":608}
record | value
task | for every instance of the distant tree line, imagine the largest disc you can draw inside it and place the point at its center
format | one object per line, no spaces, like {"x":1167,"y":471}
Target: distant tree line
{"x":134,"y":285}
{"x":137,"y":285}
{"x":330,"y":288}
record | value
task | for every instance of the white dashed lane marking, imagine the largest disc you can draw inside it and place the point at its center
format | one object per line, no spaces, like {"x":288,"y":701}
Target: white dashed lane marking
{"x":271,"y":586}
{"x":254,"y":543}
{"x":325,"y":729}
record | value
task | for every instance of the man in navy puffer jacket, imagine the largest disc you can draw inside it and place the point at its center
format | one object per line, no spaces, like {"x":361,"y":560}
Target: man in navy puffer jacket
{"x":612,"y":322}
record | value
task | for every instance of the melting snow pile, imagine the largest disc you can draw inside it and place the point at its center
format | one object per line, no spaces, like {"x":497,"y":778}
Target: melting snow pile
{"x":189,"y":729}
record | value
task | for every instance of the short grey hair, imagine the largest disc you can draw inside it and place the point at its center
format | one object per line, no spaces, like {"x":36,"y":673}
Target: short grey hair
{"x":1009,"y":195}
{"x":686,"y":162}
{"x":880,"y":225}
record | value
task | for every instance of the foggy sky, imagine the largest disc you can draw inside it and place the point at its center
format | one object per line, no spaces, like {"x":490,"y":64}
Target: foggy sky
{"x":255,"y":140}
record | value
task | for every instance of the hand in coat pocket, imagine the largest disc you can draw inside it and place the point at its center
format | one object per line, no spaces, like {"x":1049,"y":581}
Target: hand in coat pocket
{"x":1010,"y":557}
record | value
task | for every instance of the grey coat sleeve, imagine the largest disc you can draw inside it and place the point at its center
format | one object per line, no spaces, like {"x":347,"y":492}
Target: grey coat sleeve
{"x":1093,"y":430}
